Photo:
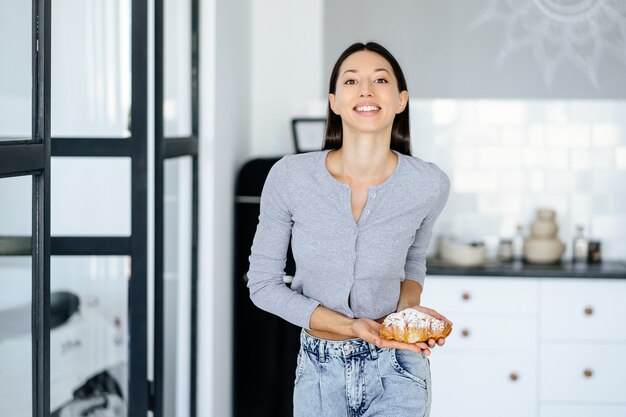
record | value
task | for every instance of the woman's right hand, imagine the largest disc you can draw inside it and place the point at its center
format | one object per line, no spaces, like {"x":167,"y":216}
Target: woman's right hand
{"x":369,"y":330}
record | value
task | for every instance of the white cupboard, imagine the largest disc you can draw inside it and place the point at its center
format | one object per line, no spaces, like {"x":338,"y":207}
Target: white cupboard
{"x":583,"y":372}
{"x":528,"y":346}
{"x":486,"y":384}
{"x":582,"y":410}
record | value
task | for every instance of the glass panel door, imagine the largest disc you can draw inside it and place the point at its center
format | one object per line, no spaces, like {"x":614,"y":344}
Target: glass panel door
{"x":15,"y":69}
{"x":177,"y":203}
{"x":24,"y":208}
{"x":177,"y":37}
{"x":89,"y":335}
{"x":91,"y":317}
{"x":99,"y":213}
{"x":176,"y":207}
{"x":16,"y":272}
{"x":91,"y":69}
{"x":94,"y":203}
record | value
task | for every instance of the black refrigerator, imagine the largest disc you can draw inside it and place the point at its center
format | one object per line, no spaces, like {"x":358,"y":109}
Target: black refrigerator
{"x":265,"y":346}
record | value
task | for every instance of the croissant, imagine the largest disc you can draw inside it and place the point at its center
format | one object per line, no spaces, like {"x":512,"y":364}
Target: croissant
{"x":411,"y":326}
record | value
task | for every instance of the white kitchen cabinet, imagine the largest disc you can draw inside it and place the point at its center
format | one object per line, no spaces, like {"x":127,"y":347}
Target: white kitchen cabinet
{"x":583,"y":345}
{"x":548,"y":347}
{"x":588,"y":310}
{"x":583,"y":372}
{"x":488,"y":365}
{"x":497,"y":295}
{"x":582,"y":410}
{"x":483,"y":383}
{"x":494,"y":332}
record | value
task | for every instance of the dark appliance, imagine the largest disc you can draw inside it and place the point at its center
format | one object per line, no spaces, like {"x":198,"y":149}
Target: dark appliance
{"x":265,"y":346}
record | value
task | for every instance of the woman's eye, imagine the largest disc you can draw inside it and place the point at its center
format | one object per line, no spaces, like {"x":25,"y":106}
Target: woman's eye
{"x":350,"y":82}
{"x":380,"y":80}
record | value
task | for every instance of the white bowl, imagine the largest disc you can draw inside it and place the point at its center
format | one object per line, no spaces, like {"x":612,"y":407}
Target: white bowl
{"x":463,"y":254}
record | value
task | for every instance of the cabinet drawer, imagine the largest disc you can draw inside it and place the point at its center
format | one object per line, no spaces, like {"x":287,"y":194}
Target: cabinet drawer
{"x":508,"y":333}
{"x":479,"y":294}
{"x":582,"y":411}
{"x":582,"y":372}
{"x":580,"y":310}
{"x":483,"y":384}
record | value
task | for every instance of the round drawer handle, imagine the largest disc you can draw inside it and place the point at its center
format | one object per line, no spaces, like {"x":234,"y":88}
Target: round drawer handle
{"x":588,"y":373}
{"x":465,"y":333}
{"x":465,"y":296}
{"x":588,"y":311}
{"x":513,"y":376}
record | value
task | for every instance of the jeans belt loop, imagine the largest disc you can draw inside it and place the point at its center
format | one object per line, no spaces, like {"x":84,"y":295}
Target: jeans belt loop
{"x":373,"y":350}
{"x":322,"y":351}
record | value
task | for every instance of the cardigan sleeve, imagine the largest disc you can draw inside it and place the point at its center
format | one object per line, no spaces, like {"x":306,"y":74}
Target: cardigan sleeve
{"x":415,"y":266}
{"x":268,"y":254}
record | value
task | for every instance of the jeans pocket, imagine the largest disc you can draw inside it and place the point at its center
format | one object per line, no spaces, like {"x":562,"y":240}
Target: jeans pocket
{"x":412,"y":365}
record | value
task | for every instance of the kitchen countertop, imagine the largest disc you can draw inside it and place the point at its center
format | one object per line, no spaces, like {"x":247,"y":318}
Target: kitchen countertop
{"x":565,"y":269}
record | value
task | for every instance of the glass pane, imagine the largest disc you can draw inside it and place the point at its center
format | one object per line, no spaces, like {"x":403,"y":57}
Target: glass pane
{"x":89,"y":335}
{"x":90,"y":196}
{"x":15,"y":69}
{"x":177,"y":68}
{"x":177,"y":286}
{"x":16,"y":296}
{"x":90,"y":69}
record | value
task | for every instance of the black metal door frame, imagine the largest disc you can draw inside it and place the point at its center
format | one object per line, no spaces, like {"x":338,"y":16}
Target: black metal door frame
{"x":23,"y":157}
{"x":165,"y":148}
{"x":31,"y":157}
{"x":136,"y":245}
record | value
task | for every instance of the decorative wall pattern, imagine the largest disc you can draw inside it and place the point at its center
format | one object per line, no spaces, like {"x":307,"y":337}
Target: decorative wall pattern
{"x":543,"y":49}
{"x":581,"y":33}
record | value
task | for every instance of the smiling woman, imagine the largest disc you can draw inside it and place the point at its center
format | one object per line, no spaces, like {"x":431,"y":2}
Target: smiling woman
{"x":359,"y":215}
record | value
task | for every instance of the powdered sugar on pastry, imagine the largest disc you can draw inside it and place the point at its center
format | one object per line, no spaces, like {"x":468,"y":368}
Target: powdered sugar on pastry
{"x":414,"y":318}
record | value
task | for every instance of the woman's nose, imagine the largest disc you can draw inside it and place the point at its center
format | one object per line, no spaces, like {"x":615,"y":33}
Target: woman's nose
{"x":365,"y":90}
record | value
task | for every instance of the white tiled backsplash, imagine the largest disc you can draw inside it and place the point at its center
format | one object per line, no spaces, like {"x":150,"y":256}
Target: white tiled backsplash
{"x":508,"y":158}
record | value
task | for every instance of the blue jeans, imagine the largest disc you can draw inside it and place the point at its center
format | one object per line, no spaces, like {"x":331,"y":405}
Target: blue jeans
{"x":354,"y":378}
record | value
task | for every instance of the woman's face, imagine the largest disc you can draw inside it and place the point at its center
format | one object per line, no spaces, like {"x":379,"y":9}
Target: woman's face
{"x":366,"y":95}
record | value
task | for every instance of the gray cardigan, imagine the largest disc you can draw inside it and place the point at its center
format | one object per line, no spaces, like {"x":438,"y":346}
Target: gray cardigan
{"x":353,"y":268}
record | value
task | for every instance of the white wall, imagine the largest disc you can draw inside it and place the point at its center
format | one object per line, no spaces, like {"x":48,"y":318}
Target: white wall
{"x":260,"y":65}
{"x":287,"y":71}
{"x":224,"y":142}
{"x":508,"y":158}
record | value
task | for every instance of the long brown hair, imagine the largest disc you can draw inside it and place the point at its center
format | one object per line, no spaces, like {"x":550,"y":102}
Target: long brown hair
{"x":400,"y":131}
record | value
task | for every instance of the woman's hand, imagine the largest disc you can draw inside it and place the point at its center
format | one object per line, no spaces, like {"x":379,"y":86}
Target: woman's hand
{"x":369,"y":330}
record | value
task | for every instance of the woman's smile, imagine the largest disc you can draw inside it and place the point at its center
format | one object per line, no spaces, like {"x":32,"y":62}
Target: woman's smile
{"x":367,"y":109}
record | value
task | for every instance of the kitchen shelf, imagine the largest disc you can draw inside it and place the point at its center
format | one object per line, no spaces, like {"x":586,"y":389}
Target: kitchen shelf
{"x":565,"y":269}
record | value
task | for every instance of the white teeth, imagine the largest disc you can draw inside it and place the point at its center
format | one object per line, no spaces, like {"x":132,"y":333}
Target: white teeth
{"x":367,"y":108}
